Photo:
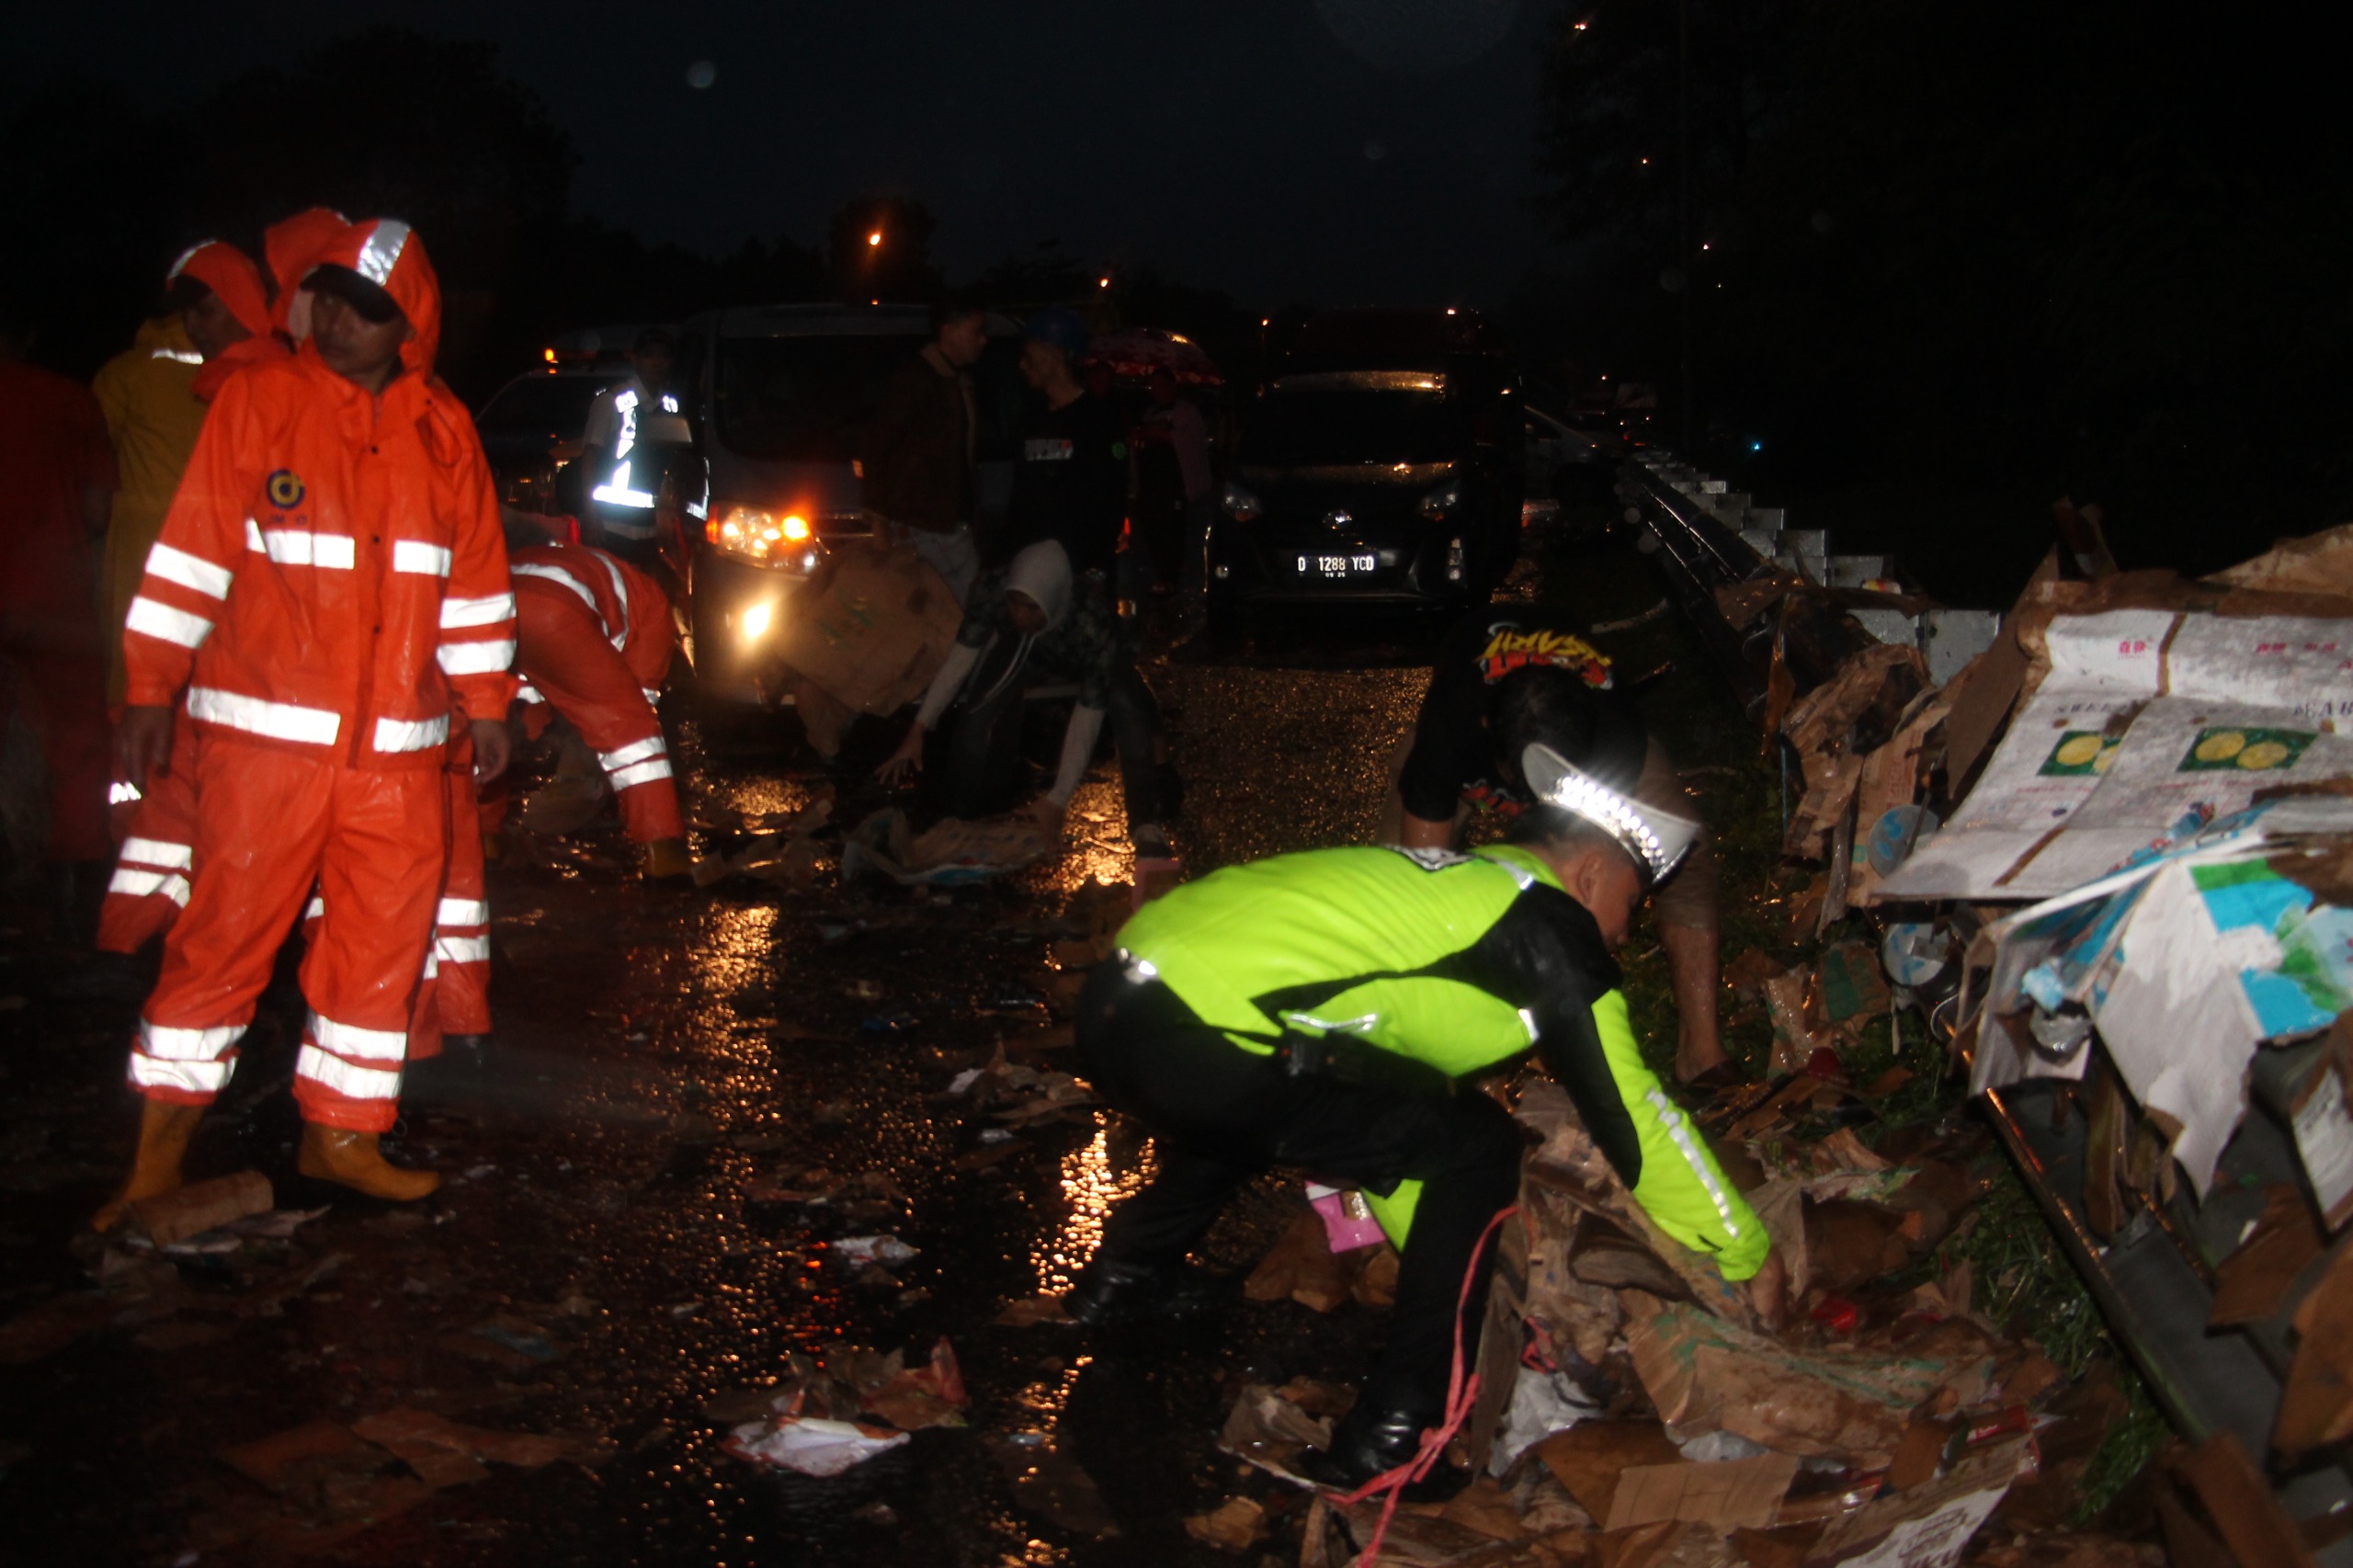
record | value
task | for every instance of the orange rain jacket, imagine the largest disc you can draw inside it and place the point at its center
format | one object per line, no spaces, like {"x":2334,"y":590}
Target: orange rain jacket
{"x":331,"y":570}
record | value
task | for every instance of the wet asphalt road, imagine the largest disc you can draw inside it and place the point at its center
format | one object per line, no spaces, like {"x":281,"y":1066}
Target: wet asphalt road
{"x":667,"y":1058}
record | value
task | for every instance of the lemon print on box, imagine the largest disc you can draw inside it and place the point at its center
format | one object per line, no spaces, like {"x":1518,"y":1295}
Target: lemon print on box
{"x":2247,"y":750}
{"x":2079,"y":751}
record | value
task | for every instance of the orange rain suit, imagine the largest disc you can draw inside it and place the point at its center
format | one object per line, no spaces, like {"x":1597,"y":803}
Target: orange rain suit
{"x":155,"y":405}
{"x":331,"y":578}
{"x":593,"y":640}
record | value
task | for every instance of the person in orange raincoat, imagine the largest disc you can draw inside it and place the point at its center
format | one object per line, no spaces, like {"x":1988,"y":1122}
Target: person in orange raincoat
{"x":216,"y":318}
{"x":593,"y":641}
{"x":330,"y":580}
{"x":229,"y":317}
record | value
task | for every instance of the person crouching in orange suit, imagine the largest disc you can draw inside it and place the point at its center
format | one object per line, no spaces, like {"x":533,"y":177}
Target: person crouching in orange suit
{"x":331,"y":577}
{"x":593,"y":640}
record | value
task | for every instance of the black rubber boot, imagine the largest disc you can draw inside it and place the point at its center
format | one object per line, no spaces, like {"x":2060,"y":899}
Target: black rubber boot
{"x":1375,"y":1438}
{"x":1107,"y":1294}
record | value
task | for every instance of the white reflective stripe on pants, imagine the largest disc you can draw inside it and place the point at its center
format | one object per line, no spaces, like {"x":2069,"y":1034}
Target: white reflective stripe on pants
{"x":368,"y":1045}
{"x":195,"y":1061}
{"x":462,"y":950}
{"x":347,"y":1078}
{"x":191,"y":1077}
{"x":619,"y":757}
{"x":642,"y":773}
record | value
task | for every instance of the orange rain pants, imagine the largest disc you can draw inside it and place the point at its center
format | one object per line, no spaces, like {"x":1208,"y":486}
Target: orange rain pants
{"x":275,"y":821}
{"x":566,"y":659}
{"x":153,"y":868}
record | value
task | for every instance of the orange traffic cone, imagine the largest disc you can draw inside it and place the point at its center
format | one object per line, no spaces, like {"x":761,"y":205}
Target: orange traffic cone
{"x":339,"y":1155}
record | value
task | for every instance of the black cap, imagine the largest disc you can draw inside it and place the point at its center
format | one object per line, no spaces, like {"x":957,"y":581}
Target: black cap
{"x":369,"y":300}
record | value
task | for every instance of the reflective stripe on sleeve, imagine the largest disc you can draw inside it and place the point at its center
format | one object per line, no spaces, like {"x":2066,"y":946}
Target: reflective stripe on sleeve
{"x":417,"y":556}
{"x":525,"y":692}
{"x":349,"y":1039}
{"x":345,"y":1078}
{"x":1672,"y":1120}
{"x":167,"y":1044}
{"x":132,"y":882}
{"x":315,"y":909}
{"x":278,"y":720}
{"x":189,"y":571}
{"x":487,"y":611}
{"x":643,"y":773}
{"x":158,"y":852}
{"x":412,"y":734}
{"x":463,"y":911}
{"x":166,"y":624}
{"x":194,"y":1077}
{"x":462,"y":950}
{"x":652,"y":695}
{"x":474,"y":658}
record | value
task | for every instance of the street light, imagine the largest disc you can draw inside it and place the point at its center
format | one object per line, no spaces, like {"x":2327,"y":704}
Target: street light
{"x":875,"y":238}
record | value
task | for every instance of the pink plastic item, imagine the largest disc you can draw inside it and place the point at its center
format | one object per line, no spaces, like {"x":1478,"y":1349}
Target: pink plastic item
{"x":1347,"y":1218}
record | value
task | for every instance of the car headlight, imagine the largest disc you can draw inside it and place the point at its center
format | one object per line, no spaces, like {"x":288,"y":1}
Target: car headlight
{"x":771,"y":537}
{"x":1442,"y":500}
{"x":1240,"y":505}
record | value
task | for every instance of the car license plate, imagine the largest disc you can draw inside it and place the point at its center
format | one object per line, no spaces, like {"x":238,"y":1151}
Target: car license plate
{"x":1337,"y":565}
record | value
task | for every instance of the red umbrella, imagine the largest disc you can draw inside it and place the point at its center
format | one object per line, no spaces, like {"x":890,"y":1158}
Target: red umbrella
{"x":1137,"y":351}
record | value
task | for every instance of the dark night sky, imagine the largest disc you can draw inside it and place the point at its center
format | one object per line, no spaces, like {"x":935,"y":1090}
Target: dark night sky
{"x":1342,"y":151}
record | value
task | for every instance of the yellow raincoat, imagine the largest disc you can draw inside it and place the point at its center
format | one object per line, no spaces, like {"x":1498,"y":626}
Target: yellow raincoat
{"x":152,"y":415}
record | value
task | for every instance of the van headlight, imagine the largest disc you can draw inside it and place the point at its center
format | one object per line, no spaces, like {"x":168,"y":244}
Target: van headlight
{"x":770,"y":536}
{"x":1442,"y":500}
{"x":1240,"y":505}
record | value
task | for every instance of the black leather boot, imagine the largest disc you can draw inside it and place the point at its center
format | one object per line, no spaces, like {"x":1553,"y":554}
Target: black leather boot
{"x":1107,"y":1294}
{"x":1376,"y":1437}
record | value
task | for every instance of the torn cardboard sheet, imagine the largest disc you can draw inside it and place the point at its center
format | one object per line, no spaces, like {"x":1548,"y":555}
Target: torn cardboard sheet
{"x":1727,"y":1494}
{"x":870,"y":627}
{"x":2231,"y":703}
{"x":1708,"y":1376}
{"x":1929,"y":1526}
{"x":2184,"y":962}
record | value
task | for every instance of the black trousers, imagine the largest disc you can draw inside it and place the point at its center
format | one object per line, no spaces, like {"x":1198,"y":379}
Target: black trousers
{"x":983,"y":750}
{"x":1220,"y":1114}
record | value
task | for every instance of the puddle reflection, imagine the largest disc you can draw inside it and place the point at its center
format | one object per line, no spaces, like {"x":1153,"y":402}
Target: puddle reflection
{"x":1092,"y":1183}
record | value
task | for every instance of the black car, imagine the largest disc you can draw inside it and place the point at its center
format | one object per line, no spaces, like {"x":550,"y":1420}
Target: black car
{"x":1382,"y":461}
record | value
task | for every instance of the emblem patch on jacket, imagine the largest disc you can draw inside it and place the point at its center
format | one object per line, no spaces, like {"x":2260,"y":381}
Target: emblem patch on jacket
{"x":285,"y":489}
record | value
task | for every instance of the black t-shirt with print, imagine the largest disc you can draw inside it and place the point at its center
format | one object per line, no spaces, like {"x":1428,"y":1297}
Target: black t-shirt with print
{"x":1072,"y":482}
{"x":1455,"y":755}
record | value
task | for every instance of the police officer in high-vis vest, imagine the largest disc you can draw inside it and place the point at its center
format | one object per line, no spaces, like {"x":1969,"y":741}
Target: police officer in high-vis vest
{"x":1325,"y":1011}
{"x":624,"y":469}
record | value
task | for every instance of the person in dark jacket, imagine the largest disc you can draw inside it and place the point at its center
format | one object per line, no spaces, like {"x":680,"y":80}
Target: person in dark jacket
{"x":917,"y":452}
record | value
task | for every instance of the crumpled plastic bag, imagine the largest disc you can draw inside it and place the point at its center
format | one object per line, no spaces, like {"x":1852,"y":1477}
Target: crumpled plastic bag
{"x":811,"y":1445}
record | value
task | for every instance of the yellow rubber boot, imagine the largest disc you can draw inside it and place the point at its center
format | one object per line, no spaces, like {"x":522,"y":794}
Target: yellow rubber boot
{"x":339,"y":1155}
{"x":669,"y":857}
{"x":164,"y":1128}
